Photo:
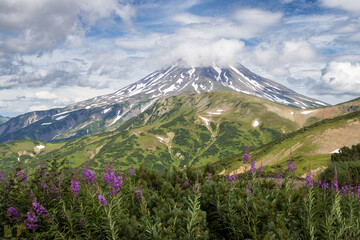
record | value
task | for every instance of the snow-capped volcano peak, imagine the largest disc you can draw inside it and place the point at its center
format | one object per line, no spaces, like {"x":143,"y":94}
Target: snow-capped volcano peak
{"x":176,"y":79}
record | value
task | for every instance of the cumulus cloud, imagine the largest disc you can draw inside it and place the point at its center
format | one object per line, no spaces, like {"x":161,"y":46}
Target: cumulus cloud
{"x":349,"y":5}
{"x":257,"y":18}
{"x":272,"y":54}
{"x":202,"y":41}
{"x":188,"y":18}
{"x":45,"y":95}
{"x":204,"y":53}
{"x":341,"y":78}
{"x":41,"y":25}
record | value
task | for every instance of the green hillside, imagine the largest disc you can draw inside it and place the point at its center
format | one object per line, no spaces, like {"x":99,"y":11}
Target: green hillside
{"x":190,"y":129}
{"x":312,"y":145}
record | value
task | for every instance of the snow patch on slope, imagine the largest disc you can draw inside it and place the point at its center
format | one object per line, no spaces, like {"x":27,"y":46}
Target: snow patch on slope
{"x":336,"y":151}
{"x":205,"y":120}
{"x":118,"y":117}
{"x":40,"y":147}
{"x":195,"y":86}
{"x":307,"y":112}
{"x":106,"y":110}
{"x":61,"y":117}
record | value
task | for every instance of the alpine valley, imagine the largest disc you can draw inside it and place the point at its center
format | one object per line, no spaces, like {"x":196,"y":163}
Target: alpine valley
{"x":192,"y":128}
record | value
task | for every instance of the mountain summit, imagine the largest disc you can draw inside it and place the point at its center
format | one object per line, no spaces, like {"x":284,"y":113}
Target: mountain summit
{"x":175,"y":80}
{"x":107,"y":112}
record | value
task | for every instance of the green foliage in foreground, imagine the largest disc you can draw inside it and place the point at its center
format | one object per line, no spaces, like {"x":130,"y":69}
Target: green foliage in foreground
{"x":347,"y":164}
{"x":177,"y":204}
{"x":346,"y":154}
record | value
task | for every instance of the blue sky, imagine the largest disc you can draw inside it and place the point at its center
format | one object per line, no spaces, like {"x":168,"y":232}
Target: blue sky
{"x":54,"y":53}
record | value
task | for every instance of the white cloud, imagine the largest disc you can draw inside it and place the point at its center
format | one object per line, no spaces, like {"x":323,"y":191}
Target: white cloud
{"x":45,"y":95}
{"x":297,"y":51}
{"x":204,"y":53}
{"x":40,"y":25}
{"x":39,"y":107}
{"x":348,"y":5}
{"x":257,"y":18}
{"x":272,"y":54}
{"x":342,"y":77}
{"x":188,"y":18}
{"x":201,"y":41}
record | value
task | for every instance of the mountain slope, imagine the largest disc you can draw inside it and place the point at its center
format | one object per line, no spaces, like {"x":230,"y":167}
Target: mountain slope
{"x":3,"y":119}
{"x":106,"y":113}
{"x":313,"y":144}
{"x":190,"y":129}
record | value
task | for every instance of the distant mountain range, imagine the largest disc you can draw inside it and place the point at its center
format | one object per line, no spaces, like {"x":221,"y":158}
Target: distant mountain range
{"x":108,"y":112}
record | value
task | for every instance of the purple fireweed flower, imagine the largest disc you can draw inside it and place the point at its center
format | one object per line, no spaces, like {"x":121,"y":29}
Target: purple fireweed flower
{"x":102,"y":200}
{"x":318,"y":182}
{"x":325,"y":186}
{"x":13,"y":213}
{"x":186,"y":183}
{"x":81,"y":224}
{"x":44,"y":185}
{"x":88,"y":176}
{"x":247,"y":191}
{"x":231,"y":178}
{"x":40,"y":210}
{"x":252,"y":169}
{"x":31,"y":221}
{"x":290,"y":167}
{"x":138,"y":194}
{"x":131,"y":171}
{"x":309,"y":181}
{"x":260,"y":170}
{"x":75,"y":186}
{"x":334,"y":185}
{"x":108,"y":176}
{"x":344,"y":190}
{"x":246,"y":156}
{"x":114,"y":181}
{"x":21,"y":176}
{"x":196,"y":189}
{"x":56,"y":192}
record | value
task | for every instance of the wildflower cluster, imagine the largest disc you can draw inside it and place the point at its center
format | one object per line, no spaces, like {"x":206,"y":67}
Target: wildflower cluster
{"x":31,"y":221}
{"x":102,"y":200}
{"x":290,"y":166}
{"x":13,"y":213}
{"x":180,"y":210}
{"x":253,"y":168}
{"x":88,"y":176}
{"x":114,"y":181}
{"x":21,"y":176}
{"x":246,"y":157}
{"x":138,"y":194}
{"x":231,"y":178}
{"x":37,"y":211}
{"x":75,"y":189}
{"x":309,"y":181}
